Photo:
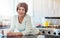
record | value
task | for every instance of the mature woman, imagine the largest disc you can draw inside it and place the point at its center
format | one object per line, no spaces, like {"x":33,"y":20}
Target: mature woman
{"x":21,"y":23}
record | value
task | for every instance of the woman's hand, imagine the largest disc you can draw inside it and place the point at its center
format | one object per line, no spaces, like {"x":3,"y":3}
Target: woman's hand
{"x":14,"y":33}
{"x":18,"y":33}
{"x":39,"y":33}
{"x":11,"y":34}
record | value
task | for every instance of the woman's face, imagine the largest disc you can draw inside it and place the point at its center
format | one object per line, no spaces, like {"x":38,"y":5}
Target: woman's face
{"x":21,"y":11}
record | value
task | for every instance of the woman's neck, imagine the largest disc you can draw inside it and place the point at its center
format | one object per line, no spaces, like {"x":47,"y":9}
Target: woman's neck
{"x":20,"y":19}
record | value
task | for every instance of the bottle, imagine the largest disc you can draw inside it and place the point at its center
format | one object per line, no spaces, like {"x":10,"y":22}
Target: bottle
{"x":46,"y":23}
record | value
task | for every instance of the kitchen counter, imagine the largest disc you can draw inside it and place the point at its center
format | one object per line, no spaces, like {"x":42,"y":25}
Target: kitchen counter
{"x":50,"y":31}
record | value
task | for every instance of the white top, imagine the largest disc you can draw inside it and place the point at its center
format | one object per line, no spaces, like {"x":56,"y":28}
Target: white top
{"x":25,"y":27}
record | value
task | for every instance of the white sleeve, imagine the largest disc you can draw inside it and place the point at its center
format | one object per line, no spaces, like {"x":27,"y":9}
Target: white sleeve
{"x":12,"y":24}
{"x":29,"y":28}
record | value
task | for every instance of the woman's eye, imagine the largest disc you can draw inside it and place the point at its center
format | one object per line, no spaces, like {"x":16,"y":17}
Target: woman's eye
{"x":19,"y":9}
{"x":23,"y":9}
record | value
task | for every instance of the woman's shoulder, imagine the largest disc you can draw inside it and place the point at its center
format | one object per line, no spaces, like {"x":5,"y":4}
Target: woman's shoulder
{"x":27,"y":16}
{"x":15,"y":16}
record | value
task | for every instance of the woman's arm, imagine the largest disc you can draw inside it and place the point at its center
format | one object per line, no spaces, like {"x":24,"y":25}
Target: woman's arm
{"x":29,"y":28}
{"x":28,"y":25}
{"x":14,"y":33}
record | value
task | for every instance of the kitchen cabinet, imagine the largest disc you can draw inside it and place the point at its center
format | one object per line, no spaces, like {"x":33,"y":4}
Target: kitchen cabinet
{"x":45,"y":8}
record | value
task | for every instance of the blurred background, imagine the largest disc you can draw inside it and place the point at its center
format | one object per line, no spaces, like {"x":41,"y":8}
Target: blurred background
{"x":37,"y":9}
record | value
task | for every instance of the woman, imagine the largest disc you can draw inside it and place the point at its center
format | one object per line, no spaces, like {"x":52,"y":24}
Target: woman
{"x":21,"y":24}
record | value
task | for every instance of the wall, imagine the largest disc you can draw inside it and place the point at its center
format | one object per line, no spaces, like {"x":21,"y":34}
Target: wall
{"x":43,"y":8}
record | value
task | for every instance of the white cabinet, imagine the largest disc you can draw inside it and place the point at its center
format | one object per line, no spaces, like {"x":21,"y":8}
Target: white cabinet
{"x":45,"y":8}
